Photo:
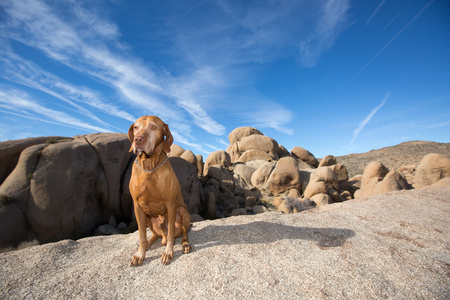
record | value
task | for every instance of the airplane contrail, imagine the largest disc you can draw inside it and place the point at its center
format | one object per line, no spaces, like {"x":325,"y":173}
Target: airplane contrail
{"x":375,"y":12}
{"x":393,"y":39}
{"x":368,"y":118}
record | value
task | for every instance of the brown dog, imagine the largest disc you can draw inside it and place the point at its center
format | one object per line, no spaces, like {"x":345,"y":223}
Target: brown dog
{"x":156,"y":191}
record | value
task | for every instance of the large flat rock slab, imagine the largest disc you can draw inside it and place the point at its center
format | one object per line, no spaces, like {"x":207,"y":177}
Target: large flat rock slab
{"x":393,"y":245}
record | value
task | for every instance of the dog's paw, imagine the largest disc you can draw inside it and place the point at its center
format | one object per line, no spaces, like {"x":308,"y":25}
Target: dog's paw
{"x":137,"y":260}
{"x":166,"y":257}
{"x":186,"y":248}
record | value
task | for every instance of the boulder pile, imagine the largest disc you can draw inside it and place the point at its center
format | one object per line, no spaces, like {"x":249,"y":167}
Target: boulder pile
{"x":66,"y":188}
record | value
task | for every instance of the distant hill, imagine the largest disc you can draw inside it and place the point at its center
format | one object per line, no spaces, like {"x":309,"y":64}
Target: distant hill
{"x":407,"y":153}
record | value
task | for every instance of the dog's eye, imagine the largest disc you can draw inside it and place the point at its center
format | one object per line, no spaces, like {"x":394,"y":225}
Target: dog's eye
{"x":153,"y":127}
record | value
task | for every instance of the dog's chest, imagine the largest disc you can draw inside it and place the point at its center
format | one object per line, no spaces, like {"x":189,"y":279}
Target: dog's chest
{"x":148,"y":194}
{"x":153,"y":209}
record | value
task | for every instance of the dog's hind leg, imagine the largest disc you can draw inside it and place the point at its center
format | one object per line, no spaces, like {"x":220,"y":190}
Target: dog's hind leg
{"x":153,"y":239}
{"x":158,"y":228}
{"x":185,"y":225}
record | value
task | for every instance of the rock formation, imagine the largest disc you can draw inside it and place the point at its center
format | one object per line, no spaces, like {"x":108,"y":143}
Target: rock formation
{"x":406,"y":154}
{"x":285,"y":176}
{"x":377,"y":179}
{"x":432,"y":168}
{"x":11,"y":150}
{"x":66,"y":187}
{"x":328,"y":160}
{"x":58,"y":188}
{"x":219,"y":157}
{"x":305,"y":155}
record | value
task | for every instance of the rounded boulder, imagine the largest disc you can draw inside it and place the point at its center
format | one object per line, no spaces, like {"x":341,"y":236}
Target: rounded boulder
{"x":241,"y":132}
{"x":257,"y":142}
{"x":285,"y":176}
{"x":432,"y":168}
{"x":175,"y":151}
{"x":191,"y":187}
{"x":305,"y":155}
{"x":67,"y":191}
{"x":219,"y":157}
{"x":328,"y":160}
{"x":190,"y":157}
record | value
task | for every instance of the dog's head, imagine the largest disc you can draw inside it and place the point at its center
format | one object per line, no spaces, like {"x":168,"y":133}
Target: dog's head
{"x":147,"y":133}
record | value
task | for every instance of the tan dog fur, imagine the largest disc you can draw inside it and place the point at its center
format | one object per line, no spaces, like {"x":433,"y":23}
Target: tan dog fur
{"x":157,"y":198}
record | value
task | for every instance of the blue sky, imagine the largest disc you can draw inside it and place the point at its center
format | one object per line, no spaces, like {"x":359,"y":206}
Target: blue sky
{"x":332,"y":76}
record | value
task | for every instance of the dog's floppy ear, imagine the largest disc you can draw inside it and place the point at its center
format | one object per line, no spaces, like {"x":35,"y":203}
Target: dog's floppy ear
{"x":131,"y":136}
{"x":168,"y":141}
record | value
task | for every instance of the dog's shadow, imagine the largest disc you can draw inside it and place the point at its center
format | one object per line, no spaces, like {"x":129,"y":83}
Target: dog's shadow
{"x":261,"y":232}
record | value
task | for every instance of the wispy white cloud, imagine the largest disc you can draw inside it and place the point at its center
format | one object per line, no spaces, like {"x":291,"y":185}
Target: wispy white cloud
{"x":181,"y":139}
{"x":392,"y":40}
{"x":222,"y":142}
{"x":329,"y":25}
{"x":213,"y":147}
{"x":71,"y":42}
{"x":195,"y":92}
{"x":375,"y":12}
{"x":27,"y":73}
{"x":19,"y":103}
{"x":438,"y":125}
{"x":429,"y":124}
{"x":75,"y":36}
{"x":264,"y":32}
{"x":91,"y":20}
{"x":261,"y":31}
{"x":369,"y":117}
{"x":270,"y":115}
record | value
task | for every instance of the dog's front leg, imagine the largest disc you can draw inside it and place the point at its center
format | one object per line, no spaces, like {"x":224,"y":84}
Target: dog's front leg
{"x":168,"y":253}
{"x":139,"y":256}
